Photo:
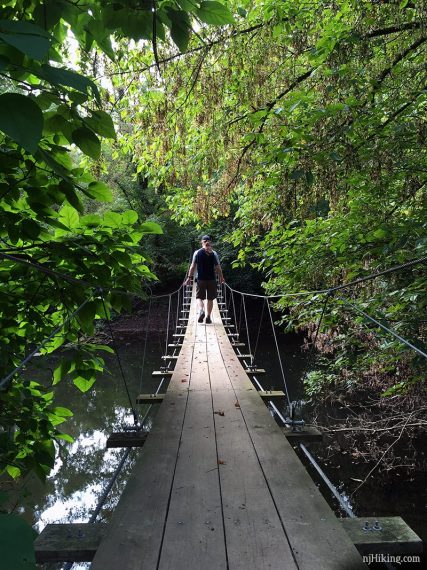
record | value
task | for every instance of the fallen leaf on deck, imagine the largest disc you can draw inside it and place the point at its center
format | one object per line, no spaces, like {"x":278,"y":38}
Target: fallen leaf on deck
{"x":221,"y":462}
{"x":219,"y":412}
{"x":184,"y":380}
{"x":237,"y":404}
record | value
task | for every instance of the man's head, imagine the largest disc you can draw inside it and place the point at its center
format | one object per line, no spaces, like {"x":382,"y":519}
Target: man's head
{"x":206,"y":243}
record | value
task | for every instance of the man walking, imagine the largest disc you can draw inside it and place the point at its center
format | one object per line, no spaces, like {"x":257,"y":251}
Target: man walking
{"x":207,"y":262}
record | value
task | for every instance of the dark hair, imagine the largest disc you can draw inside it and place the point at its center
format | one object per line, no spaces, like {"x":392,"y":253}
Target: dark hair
{"x":206,"y":238}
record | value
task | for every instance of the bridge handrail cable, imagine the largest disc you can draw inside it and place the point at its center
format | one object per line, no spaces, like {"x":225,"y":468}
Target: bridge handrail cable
{"x":337,"y":287}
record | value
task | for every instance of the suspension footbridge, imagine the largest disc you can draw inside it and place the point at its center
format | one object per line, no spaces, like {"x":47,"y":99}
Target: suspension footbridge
{"x":218,"y":485}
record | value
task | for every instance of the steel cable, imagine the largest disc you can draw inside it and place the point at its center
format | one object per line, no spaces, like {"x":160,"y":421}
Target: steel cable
{"x":338,"y":287}
{"x":404,"y":341}
{"x":247,"y":328}
{"x":113,"y":340}
{"x":278,"y":353}
{"x":259,"y":330}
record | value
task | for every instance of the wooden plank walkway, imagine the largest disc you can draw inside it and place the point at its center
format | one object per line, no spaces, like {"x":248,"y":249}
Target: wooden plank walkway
{"x":217,"y":485}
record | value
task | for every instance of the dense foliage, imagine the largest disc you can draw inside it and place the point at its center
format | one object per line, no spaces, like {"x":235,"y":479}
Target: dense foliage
{"x":306,"y":125}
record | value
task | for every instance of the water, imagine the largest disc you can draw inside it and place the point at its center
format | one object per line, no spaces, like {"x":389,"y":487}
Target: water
{"x":83,"y":469}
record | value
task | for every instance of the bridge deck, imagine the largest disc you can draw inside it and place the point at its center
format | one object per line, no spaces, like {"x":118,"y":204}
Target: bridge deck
{"x":217,"y":485}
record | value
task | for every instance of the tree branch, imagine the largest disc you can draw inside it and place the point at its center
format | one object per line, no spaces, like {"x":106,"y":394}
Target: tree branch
{"x":393,"y":30}
{"x":190,"y":51}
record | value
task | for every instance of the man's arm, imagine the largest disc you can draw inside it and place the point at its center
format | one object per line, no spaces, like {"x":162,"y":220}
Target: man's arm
{"x":191,"y":271}
{"x":219,"y":272}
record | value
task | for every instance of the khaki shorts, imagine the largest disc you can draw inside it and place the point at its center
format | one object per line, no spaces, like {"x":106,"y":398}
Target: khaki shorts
{"x":206,"y":289}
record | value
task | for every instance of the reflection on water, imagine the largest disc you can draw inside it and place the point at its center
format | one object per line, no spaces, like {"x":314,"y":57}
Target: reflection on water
{"x":84,"y":468}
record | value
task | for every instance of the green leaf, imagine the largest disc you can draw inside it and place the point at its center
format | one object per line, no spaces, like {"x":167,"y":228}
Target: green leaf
{"x":151,"y":228}
{"x":25,"y":37}
{"x":62,"y":412}
{"x":14,"y":472}
{"x":102,"y":123}
{"x":82,"y":384}
{"x":31,"y":229}
{"x":215,"y":13}
{"x":60,"y":371}
{"x":65,"y":437}
{"x":123,"y":258}
{"x":99,"y":191}
{"x":180,"y":28}
{"x":91,"y":220}
{"x":86,"y":317}
{"x":380,"y":233}
{"x":112,"y":219}
{"x":22,"y":27}
{"x":129,"y":217}
{"x":139,"y":27}
{"x":69,"y":217}
{"x":87,"y":142}
{"x":16,"y":543}
{"x":104,"y":347}
{"x":67,"y":78}
{"x":188,"y":5}
{"x":21,"y":119}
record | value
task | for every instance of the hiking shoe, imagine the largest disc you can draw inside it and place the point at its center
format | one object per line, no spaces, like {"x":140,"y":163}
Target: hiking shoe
{"x":201,"y":317}
{"x":208,"y":320}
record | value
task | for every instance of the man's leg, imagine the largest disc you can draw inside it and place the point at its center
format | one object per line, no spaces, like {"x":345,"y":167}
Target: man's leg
{"x":211,"y":293}
{"x":210,"y":307}
{"x":201,"y":295}
{"x":201,"y":310}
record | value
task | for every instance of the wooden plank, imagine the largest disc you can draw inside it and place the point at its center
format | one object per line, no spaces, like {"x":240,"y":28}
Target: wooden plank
{"x":180,"y":335}
{"x":305,"y":434}
{"x":254,"y":534}
{"x":162,"y":373}
{"x":150,"y":398}
{"x":254,"y":370}
{"x":134,"y":538}
{"x":315,"y":535}
{"x":244,"y":355}
{"x":194,"y":534}
{"x":73,"y":542}
{"x":127,"y":439}
{"x":393,"y":535}
{"x":267,"y":394}
{"x":170,"y":357}
{"x":175,"y":345}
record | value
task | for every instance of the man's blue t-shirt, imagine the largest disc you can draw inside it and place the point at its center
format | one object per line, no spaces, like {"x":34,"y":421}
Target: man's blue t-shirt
{"x":206,"y":263}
